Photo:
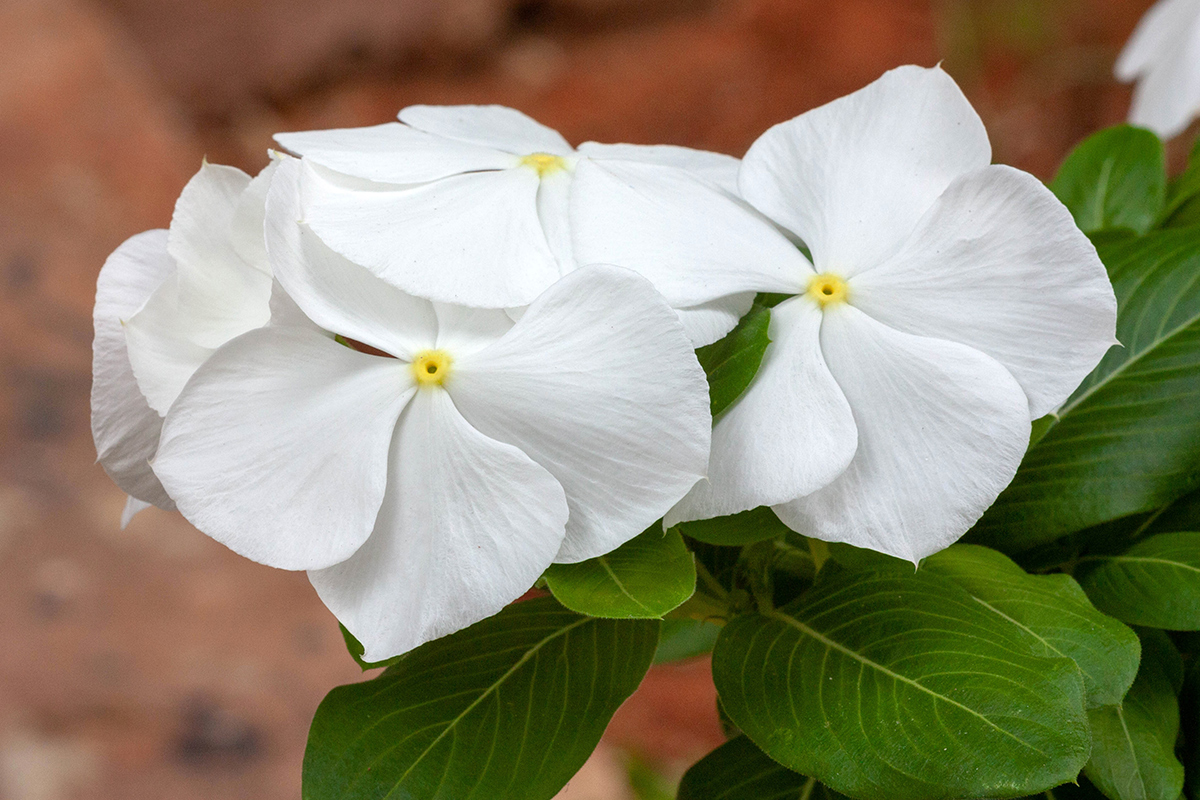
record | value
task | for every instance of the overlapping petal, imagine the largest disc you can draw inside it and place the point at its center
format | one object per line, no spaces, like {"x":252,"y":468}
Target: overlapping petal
{"x":473,"y":239}
{"x":489,"y":126}
{"x":339,"y":296}
{"x":598,"y":384}
{"x":468,"y":524}
{"x":790,"y":434}
{"x":124,"y":426}
{"x":392,"y":153}
{"x":717,"y":168}
{"x":1155,"y":36}
{"x":278,"y":446}
{"x":707,"y":322}
{"x":998,"y":264}
{"x":853,"y":177}
{"x":693,"y":243}
{"x":941,"y":430}
{"x":1164,"y":56}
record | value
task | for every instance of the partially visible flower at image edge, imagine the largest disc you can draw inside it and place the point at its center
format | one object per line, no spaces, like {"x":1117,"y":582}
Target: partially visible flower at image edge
{"x":1163,"y":57}
{"x":948,"y":303}
{"x":427,"y":488}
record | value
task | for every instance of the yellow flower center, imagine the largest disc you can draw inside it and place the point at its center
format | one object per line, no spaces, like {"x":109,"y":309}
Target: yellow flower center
{"x":828,"y":288}
{"x":544,"y":163}
{"x":431,"y":367}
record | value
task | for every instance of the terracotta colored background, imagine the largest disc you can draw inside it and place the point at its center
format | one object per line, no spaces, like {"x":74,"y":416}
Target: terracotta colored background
{"x":153,"y":663}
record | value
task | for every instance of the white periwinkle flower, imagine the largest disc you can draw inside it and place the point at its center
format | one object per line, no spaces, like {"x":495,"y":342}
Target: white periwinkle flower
{"x":1163,"y":56}
{"x":482,"y":206}
{"x":426,"y":491}
{"x":951,"y":301}
{"x":165,"y":300}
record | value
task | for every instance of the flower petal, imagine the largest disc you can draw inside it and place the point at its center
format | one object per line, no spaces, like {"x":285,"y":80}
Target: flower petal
{"x":791,"y":433}
{"x":716,"y":168}
{"x":999,"y":265}
{"x":692,"y":241}
{"x":852,"y":177}
{"x":1156,"y":34}
{"x":472,"y":239}
{"x":278,"y":446}
{"x":463,"y":330}
{"x":1167,"y":97}
{"x":490,"y":126}
{"x":598,"y":384}
{"x":249,"y":221}
{"x":339,"y":296}
{"x":941,"y":430}
{"x":708,"y":322}
{"x":133,"y":507}
{"x":467,"y":525}
{"x":204,"y":215}
{"x":392,"y":153}
{"x":124,"y":426}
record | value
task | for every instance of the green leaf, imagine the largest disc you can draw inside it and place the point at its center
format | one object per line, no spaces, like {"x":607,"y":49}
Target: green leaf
{"x":508,"y":708}
{"x":738,"y":770}
{"x":1155,"y":583}
{"x":356,"y":650}
{"x":883,"y":684}
{"x":1116,"y":178}
{"x":644,"y":578}
{"x":735,"y":530}
{"x":1055,"y":613}
{"x":685,"y":638}
{"x":733,"y":362}
{"x":1183,"y":197}
{"x":1133,"y":743}
{"x":1128,"y":440}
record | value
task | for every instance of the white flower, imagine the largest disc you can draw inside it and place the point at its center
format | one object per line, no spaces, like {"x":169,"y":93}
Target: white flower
{"x":165,"y":300}
{"x":426,"y":491}
{"x":1163,"y":56}
{"x":950,"y":302}
{"x":483,"y":206}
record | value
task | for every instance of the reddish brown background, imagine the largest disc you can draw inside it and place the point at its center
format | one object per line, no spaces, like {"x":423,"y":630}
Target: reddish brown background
{"x":153,"y":663}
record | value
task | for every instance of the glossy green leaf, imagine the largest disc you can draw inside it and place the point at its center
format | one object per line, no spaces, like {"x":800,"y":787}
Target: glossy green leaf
{"x":738,"y":770}
{"x":733,"y":362}
{"x":644,"y":578}
{"x":1128,"y":440}
{"x":685,"y":638}
{"x":1116,"y":178}
{"x":1183,"y":197}
{"x":747,"y":527}
{"x":1133,"y":743}
{"x":880,"y":684}
{"x":1053,"y":610}
{"x":508,"y":708}
{"x":1155,"y":583}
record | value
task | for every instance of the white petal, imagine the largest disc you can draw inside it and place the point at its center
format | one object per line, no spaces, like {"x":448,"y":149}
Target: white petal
{"x":852,"y":177}
{"x":337,"y":295}
{"x":1157,"y":33}
{"x":553,"y":210}
{"x":708,"y":322}
{"x":472,"y":239}
{"x":598,"y":383}
{"x":250,"y":219}
{"x":467,"y":526}
{"x":133,"y":507}
{"x":1167,"y":97}
{"x":124,"y":426}
{"x":278,"y":446}
{"x":791,"y":433}
{"x":392,"y":153}
{"x":716,"y":168}
{"x":204,"y":215}
{"x":998,"y":264}
{"x":491,"y":126}
{"x":693,"y":242}
{"x":463,"y":330}
{"x":162,"y":348}
{"x":941,"y":430}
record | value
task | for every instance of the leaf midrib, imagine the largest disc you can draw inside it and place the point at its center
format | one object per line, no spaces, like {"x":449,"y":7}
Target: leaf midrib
{"x":604,"y":563}
{"x":831,"y":644}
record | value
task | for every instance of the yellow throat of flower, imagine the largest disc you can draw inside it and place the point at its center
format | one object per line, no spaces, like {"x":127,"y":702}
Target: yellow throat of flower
{"x":828,"y":288}
{"x":431,"y":367}
{"x":544,"y":163}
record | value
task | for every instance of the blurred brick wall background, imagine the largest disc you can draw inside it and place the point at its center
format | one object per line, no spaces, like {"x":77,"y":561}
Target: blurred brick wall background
{"x":153,"y":663}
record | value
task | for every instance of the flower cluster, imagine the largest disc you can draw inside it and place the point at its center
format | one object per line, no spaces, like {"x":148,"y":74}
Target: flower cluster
{"x":427,"y":359}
